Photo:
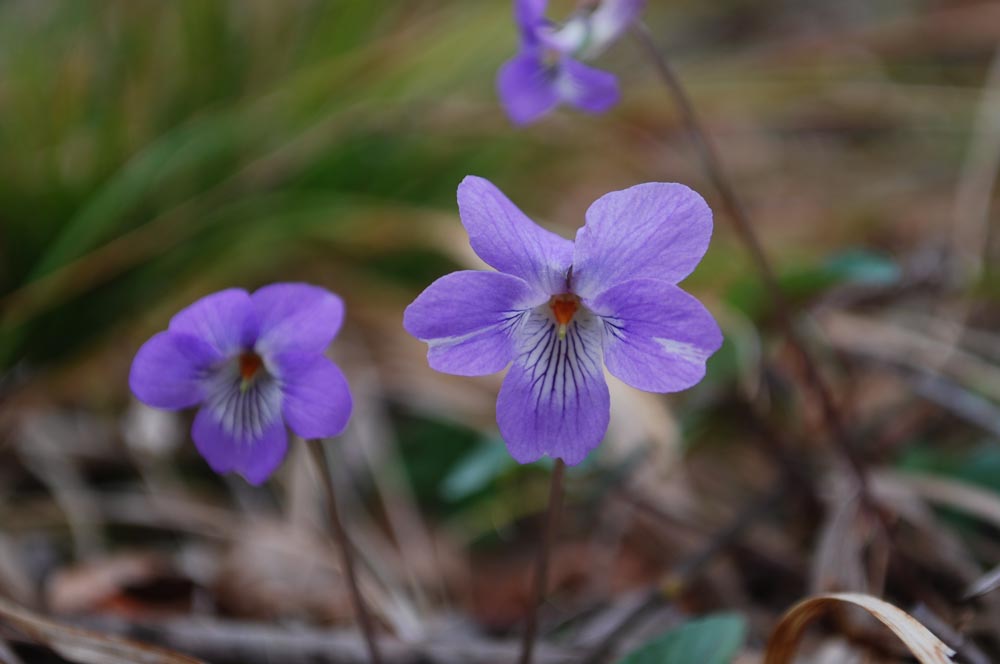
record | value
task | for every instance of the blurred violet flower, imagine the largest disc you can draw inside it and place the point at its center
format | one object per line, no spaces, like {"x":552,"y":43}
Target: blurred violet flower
{"x":548,"y":69}
{"x":557,"y":308}
{"x":254,"y":363}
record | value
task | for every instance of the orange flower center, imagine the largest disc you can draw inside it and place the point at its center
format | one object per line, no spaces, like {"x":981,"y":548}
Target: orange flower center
{"x":250,"y":364}
{"x":564,"y":307}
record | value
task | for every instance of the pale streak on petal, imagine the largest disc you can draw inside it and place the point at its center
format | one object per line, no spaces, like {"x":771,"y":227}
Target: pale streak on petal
{"x":569,"y":38}
{"x":506,"y":325}
{"x":684,"y":350}
{"x":608,"y":22}
{"x":657,"y":337}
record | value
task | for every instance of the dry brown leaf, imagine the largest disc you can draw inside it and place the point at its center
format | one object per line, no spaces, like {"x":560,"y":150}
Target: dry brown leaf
{"x":119,"y":583}
{"x":927,"y":648}
{"x":929,"y":541}
{"x":891,"y":342}
{"x":838,"y":562}
{"x":962,"y":496}
{"x":641,"y":421}
{"x":84,"y":646}
{"x":274,"y":570}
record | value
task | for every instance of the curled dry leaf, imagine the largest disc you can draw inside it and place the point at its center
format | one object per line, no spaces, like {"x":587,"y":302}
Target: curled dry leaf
{"x":927,"y":648}
{"x":84,"y":646}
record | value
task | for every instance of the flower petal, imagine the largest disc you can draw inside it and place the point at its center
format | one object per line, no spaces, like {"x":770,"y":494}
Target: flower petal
{"x":511,"y":242}
{"x":654,"y":230}
{"x":609,"y":21}
{"x":296,"y":317}
{"x":568,"y":38}
{"x":225,"y":320}
{"x":526,"y":87}
{"x":555,"y":400}
{"x":170,"y":369}
{"x":468,"y":319}
{"x":254,"y":458}
{"x":530,"y":17}
{"x":588,"y":89}
{"x":656,"y":337}
{"x":316,"y":398}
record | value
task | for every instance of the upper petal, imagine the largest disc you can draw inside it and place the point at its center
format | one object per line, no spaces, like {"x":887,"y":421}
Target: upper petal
{"x":170,"y":369}
{"x":568,"y":38}
{"x":530,"y":17}
{"x":555,"y":401}
{"x":468,"y":319}
{"x":655,"y":230}
{"x":656,"y":336}
{"x":587,"y":88}
{"x":609,"y":21}
{"x":255,"y":458}
{"x":225,"y":320}
{"x":316,"y":398}
{"x":526,"y":87}
{"x":296,"y":317}
{"x":511,"y":242}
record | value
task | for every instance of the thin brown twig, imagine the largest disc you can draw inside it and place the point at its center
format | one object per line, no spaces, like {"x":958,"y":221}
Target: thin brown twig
{"x":218,"y":640}
{"x":7,"y":654}
{"x":83,"y":645}
{"x":744,"y":229}
{"x":542,"y":561}
{"x":652,"y":599}
{"x":687,"y":570}
{"x":346,"y":553}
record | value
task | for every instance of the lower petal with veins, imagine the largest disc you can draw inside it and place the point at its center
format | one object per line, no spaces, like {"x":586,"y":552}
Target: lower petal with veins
{"x":555,"y":401}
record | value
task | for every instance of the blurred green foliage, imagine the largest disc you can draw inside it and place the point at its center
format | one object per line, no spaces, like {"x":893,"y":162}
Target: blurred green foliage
{"x":148,"y":146}
{"x":977,"y":465}
{"x":715,"y":639}
{"x":802,"y":283}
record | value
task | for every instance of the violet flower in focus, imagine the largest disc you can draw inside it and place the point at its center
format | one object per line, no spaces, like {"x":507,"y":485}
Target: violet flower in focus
{"x":254,"y":363}
{"x":548,"y":70}
{"x":559,"y":309}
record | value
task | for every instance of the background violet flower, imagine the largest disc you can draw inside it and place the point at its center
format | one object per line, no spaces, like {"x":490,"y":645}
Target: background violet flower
{"x":254,"y":363}
{"x":556,"y":309}
{"x":547,"y":70}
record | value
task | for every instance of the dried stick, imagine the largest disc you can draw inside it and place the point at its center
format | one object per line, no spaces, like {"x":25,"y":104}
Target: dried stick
{"x":744,"y":229}
{"x":266,"y":643}
{"x":686,"y":571}
{"x":542,"y":561}
{"x":346,"y":554}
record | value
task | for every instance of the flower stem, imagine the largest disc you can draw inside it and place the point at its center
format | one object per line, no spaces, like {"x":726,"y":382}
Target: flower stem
{"x":346,"y":553}
{"x":744,"y":229}
{"x":542,"y":561}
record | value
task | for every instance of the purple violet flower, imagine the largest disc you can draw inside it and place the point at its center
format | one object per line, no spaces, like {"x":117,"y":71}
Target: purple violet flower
{"x":548,"y":69}
{"x":556,"y":309}
{"x":254,"y":363}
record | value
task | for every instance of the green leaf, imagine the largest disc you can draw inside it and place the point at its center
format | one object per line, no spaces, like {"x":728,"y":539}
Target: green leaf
{"x":802,"y":282}
{"x":712,"y":640}
{"x":476,"y":470}
{"x":863,"y":267}
{"x":978,"y":465}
